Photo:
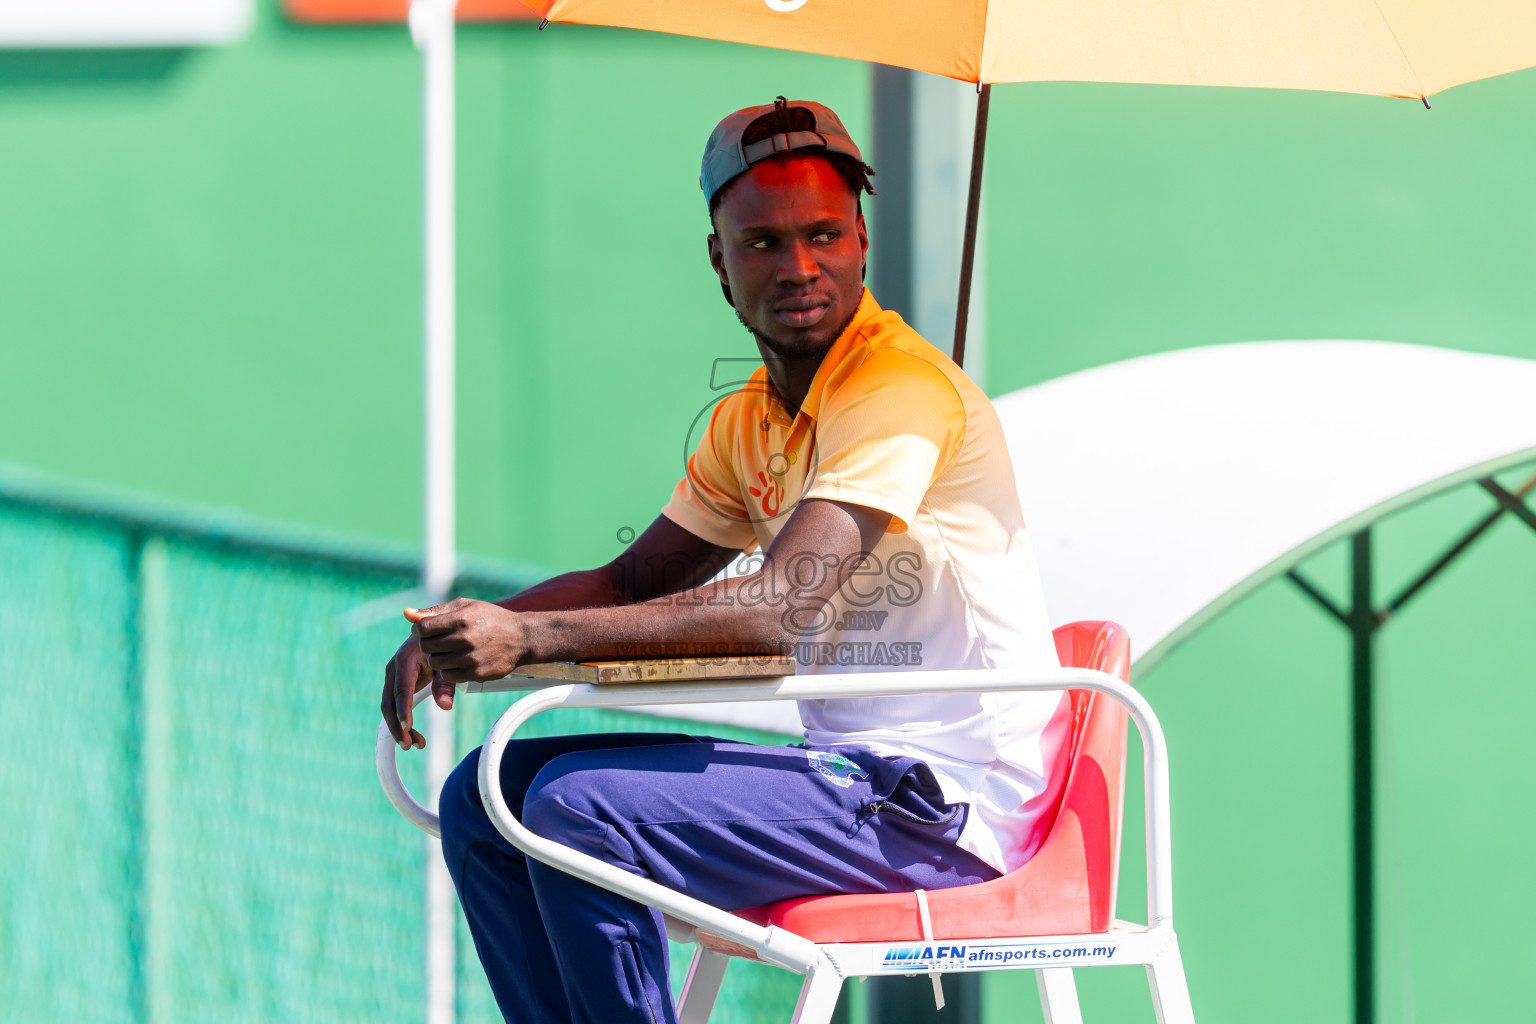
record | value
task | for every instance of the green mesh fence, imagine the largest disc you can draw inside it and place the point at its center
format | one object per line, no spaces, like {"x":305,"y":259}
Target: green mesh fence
{"x":68,"y":787}
{"x":193,"y":831}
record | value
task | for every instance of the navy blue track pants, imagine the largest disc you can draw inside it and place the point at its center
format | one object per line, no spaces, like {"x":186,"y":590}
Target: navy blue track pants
{"x":732,"y":824}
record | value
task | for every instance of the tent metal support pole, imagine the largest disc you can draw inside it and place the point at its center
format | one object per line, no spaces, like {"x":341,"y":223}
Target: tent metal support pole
{"x":1363,"y":623}
{"x":1452,"y":552}
{"x":1308,"y":588}
{"x":972,"y":215}
{"x":1364,"y":620}
{"x":1510,"y":502}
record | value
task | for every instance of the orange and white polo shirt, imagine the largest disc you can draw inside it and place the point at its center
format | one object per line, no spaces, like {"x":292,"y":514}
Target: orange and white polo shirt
{"x":892,"y":423}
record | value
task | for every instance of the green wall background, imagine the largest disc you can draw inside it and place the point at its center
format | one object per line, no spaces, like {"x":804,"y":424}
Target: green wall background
{"x":209,"y":291}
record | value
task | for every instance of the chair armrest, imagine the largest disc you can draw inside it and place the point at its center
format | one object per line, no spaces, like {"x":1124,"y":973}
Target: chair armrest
{"x":385,"y":761}
{"x":781,"y":948}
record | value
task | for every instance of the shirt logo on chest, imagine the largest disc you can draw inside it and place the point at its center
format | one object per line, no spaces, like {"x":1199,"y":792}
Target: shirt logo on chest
{"x":771,"y":492}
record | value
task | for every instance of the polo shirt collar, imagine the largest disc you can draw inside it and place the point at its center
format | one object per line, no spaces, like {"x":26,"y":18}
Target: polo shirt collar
{"x":811,"y":407}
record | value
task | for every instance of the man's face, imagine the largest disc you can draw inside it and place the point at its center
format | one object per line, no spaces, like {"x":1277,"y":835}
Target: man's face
{"x":789,"y":242}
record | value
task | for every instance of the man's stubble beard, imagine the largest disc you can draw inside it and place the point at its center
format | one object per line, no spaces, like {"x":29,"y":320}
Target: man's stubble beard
{"x":778,"y":348}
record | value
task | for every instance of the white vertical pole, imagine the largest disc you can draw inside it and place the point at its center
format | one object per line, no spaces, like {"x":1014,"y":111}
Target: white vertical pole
{"x":432,"y":28}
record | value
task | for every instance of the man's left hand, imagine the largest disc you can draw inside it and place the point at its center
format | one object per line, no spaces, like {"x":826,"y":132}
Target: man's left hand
{"x":469,"y":641}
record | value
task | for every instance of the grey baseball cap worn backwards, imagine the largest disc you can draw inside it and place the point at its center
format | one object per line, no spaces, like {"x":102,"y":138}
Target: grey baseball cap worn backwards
{"x":809,"y":126}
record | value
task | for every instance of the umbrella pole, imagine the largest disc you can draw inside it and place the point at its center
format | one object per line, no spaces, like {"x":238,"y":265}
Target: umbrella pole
{"x":972,"y":215}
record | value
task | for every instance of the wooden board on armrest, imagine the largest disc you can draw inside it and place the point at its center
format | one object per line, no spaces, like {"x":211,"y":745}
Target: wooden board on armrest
{"x":662,"y":670}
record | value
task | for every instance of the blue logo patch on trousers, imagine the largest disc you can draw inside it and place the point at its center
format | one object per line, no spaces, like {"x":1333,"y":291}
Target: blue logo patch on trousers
{"x":836,"y":767}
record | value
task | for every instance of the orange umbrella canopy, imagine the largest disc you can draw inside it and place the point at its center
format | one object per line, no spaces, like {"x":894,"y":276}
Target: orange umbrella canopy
{"x":1409,"y":48}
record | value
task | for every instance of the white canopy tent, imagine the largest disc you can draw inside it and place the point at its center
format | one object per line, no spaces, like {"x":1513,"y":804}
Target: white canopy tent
{"x":1160,"y":490}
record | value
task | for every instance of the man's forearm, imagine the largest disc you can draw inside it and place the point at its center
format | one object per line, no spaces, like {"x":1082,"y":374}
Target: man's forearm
{"x":700,"y":622}
{"x":585,"y":588}
{"x":766,"y":612}
{"x":673,"y":561}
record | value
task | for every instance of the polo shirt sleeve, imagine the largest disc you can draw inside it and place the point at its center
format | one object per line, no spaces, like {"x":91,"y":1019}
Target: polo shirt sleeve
{"x":707,"y":501}
{"x":886,"y":433}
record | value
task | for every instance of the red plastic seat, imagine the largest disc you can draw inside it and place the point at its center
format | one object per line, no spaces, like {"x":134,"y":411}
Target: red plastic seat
{"x":1067,"y":887}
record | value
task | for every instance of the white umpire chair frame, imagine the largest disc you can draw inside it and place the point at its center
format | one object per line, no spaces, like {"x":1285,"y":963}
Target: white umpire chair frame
{"x":719,"y":934}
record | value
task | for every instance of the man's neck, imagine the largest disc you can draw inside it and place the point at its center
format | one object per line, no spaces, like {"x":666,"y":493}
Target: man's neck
{"x":791,"y":377}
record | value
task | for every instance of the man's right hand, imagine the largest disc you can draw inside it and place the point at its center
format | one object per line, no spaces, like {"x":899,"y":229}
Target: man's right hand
{"x":406,"y":673}
{"x":627,"y":579}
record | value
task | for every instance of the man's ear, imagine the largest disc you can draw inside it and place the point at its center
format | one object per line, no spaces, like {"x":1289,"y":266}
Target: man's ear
{"x":717,"y":261}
